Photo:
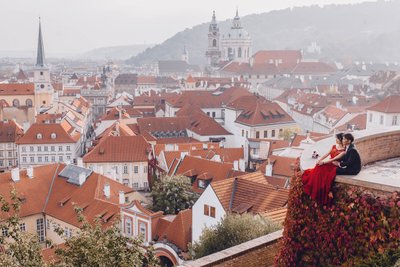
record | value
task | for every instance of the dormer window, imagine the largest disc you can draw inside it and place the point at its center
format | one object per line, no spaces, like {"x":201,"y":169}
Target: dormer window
{"x":39,"y":136}
{"x":53,"y":136}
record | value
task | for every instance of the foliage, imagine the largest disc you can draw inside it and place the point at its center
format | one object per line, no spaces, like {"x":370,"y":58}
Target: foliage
{"x":99,"y":247}
{"x":172,"y":194}
{"x":356,"y":227}
{"x":22,"y":248}
{"x":234,"y":229}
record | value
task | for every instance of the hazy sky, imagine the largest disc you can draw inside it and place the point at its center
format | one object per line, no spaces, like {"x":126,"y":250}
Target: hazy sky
{"x":72,"y":26}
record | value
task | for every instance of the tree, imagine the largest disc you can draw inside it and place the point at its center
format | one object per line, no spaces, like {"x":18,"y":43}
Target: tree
{"x":99,"y":247}
{"x":22,"y":248}
{"x":172,"y":194}
{"x":234,"y":229}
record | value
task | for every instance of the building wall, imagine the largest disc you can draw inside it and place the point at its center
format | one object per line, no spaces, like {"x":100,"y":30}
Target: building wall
{"x":52,"y":224}
{"x":199,"y":220}
{"x":115,"y":171}
{"x":37,"y":152}
{"x":30,"y":223}
{"x":376,"y":120}
{"x":229,"y":139}
{"x":8,"y":156}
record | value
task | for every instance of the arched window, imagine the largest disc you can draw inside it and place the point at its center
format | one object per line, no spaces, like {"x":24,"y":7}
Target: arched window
{"x":16,"y":103}
{"x":239,"y":52}
{"x":29,"y":103}
{"x":214,"y":43}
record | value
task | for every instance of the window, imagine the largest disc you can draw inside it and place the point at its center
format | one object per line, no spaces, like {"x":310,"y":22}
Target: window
{"x":24,"y":159}
{"x":239,"y":52}
{"x":136,"y":169}
{"x":381,"y":121}
{"x":125,"y":182}
{"x":214,"y":43}
{"x":60,"y":148}
{"x":145,"y":169}
{"x":243,"y":133}
{"x":394,"y":120}
{"x":212,"y":212}
{"x":370,"y":117}
{"x":135,"y":185}
{"x":203,"y":183}
{"x":46,"y":158}
{"x":9,"y":154}
{"x":125,"y":169}
{"x":23,"y":149}
{"x":257,"y":134}
{"x":31,"y":148}
{"x":46,"y":148}
{"x":213,"y":114}
{"x":29,"y":103}
{"x":1,"y":162}
{"x":53,"y":148}
{"x":60,"y":158}
{"x":273,"y":133}
{"x":206,"y":210}
{"x":15,"y":103}
{"x":22,"y":227}
{"x":39,"y":159}
{"x":145,"y":184}
{"x":53,"y":158}
{"x":40,"y":229}
{"x":68,"y":157}
{"x":68,"y":232}
{"x":10,"y":163}
{"x":47,"y":224}
{"x":68,"y":148}
{"x":143,"y":230}
{"x":247,"y":134}
{"x":208,"y":113}
{"x":32,"y":159}
{"x":128,"y":226}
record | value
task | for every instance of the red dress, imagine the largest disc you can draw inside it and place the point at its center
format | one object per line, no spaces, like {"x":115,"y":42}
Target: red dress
{"x":317,"y":182}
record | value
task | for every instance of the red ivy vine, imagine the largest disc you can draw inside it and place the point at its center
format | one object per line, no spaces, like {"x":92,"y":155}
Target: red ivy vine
{"x":356,"y":226}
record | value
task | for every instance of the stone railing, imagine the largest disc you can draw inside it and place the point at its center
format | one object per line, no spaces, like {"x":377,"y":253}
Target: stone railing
{"x":257,"y":252}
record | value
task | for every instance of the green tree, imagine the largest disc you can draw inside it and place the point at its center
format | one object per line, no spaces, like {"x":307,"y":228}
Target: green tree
{"x":172,"y":194}
{"x":234,"y":229}
{"x":22,"y":248}
{"x":98,"y":247}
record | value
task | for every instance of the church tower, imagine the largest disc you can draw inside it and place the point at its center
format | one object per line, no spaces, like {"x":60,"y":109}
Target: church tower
{"x":213,"y":52}
{"x":43,"y":89}
{"x":185,"y":55}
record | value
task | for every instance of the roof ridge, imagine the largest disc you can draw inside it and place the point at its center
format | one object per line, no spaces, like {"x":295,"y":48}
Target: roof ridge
{"x":50,"y":188}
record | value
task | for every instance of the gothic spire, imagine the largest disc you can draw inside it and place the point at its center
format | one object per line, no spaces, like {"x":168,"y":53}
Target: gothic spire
{"x":40,"y":50}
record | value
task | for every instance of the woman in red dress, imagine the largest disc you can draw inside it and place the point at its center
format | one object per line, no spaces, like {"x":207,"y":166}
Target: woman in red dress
{"x":317,"y":182}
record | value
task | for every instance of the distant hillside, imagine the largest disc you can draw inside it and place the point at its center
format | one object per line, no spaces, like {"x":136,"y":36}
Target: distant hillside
{"x":114,"y":52}
{"x":366,"y":31}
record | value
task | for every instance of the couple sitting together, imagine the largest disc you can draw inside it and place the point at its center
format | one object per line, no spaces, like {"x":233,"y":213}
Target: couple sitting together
{"x":342,"y":159}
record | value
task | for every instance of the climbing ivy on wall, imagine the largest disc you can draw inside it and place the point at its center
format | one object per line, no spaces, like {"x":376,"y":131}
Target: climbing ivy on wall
{"x":359,"y":225}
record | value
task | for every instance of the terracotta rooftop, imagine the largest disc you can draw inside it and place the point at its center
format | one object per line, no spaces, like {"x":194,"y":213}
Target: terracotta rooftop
{"x":179,"y":231}
{"x":291,"y":57}
{"x":252,"y":194}
{"x":49,"y":193}
{"x":388,"y":105}
{"x":50,"y":133}
{"x":17,"y":89}
{"x":313,"y":68}
{"x":282,"y":166}
{"x":119,"y":149}
{"x":10,"y":131}
{"x":359,"y":122}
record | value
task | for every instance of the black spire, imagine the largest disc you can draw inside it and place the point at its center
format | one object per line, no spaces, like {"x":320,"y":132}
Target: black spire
{"x":40,"y":50}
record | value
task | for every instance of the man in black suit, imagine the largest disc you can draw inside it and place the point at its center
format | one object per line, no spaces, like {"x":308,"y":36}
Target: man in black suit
{"x":350,"y":164}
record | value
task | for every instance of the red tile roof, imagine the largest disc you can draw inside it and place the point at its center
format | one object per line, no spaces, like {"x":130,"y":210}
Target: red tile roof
{"x":388,"y":105}
{"x":291,"y":57}
{"x":17,"y":89}
{"x":43,"y":193}
{"x":313,"y":68}
{"x":179,"y":231}
{"x":10,"y":131}
{"x":119,"y":149}
{"x":359,"y":122}
{"x":282,"y":166}
{"x":146,"y":80}
{"x":64,"y":133}
{"x":252,"y":190}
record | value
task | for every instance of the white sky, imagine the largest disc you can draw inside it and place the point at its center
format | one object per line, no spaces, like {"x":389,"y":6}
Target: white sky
{"x":73,"y":26}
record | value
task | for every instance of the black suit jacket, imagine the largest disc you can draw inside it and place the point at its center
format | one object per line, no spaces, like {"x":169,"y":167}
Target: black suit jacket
{"x":350,"y":163}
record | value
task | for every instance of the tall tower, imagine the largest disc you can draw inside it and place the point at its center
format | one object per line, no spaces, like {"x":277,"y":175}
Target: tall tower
{"x":213,"y":53}
{"x":185,"y":55}
{"x":43,"y":89}
{"x":236,"y":44}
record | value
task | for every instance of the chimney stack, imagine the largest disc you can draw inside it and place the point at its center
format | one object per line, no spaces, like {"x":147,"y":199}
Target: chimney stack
{"x":236,"y":165}
{"x":106,"y":190}
{"x":268,"y":168}
{"x":79,"y":162}
{"x":81,"y":178}
{"x":15,"y":174}
{"x":121,"y":197}
{"x":29,"y":172}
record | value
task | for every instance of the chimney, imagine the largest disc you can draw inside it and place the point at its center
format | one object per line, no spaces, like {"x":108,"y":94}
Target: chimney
{"x":29,"y":172}
{"x":242,"y":165}
{"x":106,"y":190}
{"x":236,"y":165}
{"x":100,"y":170}
{"x":15,"y":174}
{"x":121,"y":197}
{"x":268,"y":168}
{"x":79,"y":162}
{"x":81,"y":178}
{"x":183,"y":154}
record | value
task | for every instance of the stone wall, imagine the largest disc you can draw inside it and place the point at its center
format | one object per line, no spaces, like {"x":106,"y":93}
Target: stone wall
{"x":257,"y":252}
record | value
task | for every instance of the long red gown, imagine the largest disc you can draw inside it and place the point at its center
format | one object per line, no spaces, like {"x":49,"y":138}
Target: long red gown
{"x":317,"y":182}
